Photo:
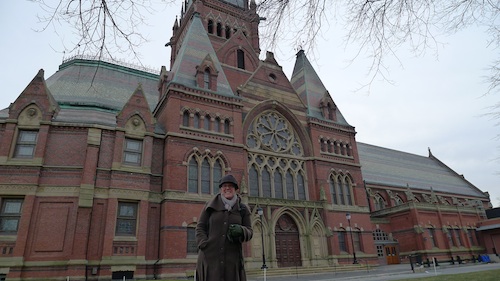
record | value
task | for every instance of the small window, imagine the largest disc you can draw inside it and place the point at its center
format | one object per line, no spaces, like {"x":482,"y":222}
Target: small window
{"x":206,"y":79}
{"x":185,"y":119}
{"x":228,"y":32}
{"x":192,"y":247}
{"x":210,"y":26}
{"x":219,"y":29}
{"x":226,"y":127}
{"x":10,"y":215}
{"x":341,"y":238}
{"x":206,"y":122}
{"x":126,"y":219}
{"x":26,"y":143}
{"x":241,"y":59}
{"x":132,"y":152}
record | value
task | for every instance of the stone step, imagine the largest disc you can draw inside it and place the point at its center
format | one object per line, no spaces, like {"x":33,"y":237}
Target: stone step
{"x":284,"y":271}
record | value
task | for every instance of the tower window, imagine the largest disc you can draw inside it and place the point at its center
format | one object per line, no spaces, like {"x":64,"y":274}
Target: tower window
{"x":241,"y":59}
{"x":219,"y":29}
{"x":210,"y":26}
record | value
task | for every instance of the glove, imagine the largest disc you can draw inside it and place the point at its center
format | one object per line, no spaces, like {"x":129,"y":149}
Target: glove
{"x":234,"y":232}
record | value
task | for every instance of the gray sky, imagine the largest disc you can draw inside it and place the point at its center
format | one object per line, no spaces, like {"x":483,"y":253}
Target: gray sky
{"x":436,"y":101}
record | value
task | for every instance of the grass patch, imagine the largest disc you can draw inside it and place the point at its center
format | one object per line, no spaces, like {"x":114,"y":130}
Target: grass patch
{"x":488,"y":275}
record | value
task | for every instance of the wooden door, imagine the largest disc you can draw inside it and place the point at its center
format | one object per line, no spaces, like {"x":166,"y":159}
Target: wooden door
{"x":391,"y":255}
{"x":287,"y":243}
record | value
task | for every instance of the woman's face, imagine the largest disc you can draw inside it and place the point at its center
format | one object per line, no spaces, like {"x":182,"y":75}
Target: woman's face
{"x":227,"y":190}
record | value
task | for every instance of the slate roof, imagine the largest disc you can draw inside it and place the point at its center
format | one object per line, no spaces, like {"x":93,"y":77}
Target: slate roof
{"x":396,"y":168}
{"x":195,"y":47}
{"x":99,"y":84}
{"x":310,"y":88}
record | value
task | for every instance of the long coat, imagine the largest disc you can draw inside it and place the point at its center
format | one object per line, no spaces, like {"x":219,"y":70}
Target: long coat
{"x":219,"y":259}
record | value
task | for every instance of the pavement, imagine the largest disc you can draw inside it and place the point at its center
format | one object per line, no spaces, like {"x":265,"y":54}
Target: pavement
{"x":384,"y":273}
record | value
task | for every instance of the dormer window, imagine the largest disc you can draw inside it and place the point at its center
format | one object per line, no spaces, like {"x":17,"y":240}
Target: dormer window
{"x":206,"y":79}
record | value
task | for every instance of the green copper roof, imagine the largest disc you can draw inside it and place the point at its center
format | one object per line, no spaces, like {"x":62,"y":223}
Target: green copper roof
{"x":310,"y":88}
{"x":100,"y":85}
{"x":400,"y":169}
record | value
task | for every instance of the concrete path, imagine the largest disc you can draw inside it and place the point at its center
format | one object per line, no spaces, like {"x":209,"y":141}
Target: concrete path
{"x":384,"y":273}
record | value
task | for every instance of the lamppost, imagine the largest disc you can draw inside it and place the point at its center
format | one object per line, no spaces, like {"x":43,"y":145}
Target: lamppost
{"x":264,"y":266}
{"x":348,"y":217}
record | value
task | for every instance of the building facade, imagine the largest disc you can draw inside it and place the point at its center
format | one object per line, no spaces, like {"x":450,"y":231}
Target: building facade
{"x":104,"y":168}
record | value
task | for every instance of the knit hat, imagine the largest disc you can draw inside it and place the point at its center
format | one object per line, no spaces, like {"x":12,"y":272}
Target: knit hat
{"x":230,"y":179}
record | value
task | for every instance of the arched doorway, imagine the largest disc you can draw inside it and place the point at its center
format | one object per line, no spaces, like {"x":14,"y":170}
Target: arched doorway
{"x":287,"y":242}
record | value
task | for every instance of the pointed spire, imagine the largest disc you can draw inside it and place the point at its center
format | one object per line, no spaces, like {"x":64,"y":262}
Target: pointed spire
{"x":310,"y":88}
{"x":194,"y":49}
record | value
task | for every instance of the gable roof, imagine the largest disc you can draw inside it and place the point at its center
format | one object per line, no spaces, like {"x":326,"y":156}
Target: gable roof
{"x":194,"y":49}
{"x":389,"y":167}
{"x":310,"y":88}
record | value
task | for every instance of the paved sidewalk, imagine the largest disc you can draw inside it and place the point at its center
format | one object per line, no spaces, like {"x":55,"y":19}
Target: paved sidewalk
{"x":384,"y":273}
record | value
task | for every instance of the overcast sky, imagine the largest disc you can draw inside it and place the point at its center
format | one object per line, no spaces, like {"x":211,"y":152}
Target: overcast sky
{"x":436,"y":102}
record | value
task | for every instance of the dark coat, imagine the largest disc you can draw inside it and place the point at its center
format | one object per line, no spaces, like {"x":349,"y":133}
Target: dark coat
{"x":218,"y":258}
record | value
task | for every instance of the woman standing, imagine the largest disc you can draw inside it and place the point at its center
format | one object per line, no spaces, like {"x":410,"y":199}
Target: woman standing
{"x":223,"y":226}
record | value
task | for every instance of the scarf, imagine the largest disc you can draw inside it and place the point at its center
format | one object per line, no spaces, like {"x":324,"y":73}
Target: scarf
{"x":229,"y":203}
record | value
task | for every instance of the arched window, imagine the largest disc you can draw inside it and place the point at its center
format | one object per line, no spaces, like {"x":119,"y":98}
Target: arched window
{"x":432,"y":237}
{"x":356,"y":236}
{"x":458,"y":237}
{"x":206,"y":79}
{"x":341,"y":236}
{"x":347,"y":188}
{"x":219,"y":29}
{"x":300,"y":187}
{"x":205,"y":177}
{"x":378,"y":202}
{"x":290,"y":192}
{"x":241,"y":58}
{"x":254,"y":181}
{"x":210,"y":26}
{"x":266,"y":183}
{"x":333,"y":190}
{"x":278,"y":184}
{"x":206,"y":122}
{"x":228,"y":32}
{"x":196,"y":120}
{"x":397,"y":200}
{"x":217,"y":125}
{"x":204,"y":173}
{"x":226,"y":126}
{"x":185,"y":119}
{"x":340,"y":190}
{"x":193,"y":176}
{"x":217,"y":175}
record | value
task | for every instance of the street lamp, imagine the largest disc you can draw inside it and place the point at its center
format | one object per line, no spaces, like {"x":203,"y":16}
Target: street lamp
{"x":261,"y":212}
{"x":348,"y":217}
{"x":264,"y":266}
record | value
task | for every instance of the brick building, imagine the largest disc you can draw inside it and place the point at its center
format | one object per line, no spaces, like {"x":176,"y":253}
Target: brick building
{"x":104,"y":168}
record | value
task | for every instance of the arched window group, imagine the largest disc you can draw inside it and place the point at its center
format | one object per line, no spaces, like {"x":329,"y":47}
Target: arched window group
{"x":379,"y":202}
{"x":220,"y":30}
{"x":341,"y":189}
{"x":204,"y":173}
{"x":336,"y":147}
{"x":206,"y":121}
{"x":275,"y":165}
